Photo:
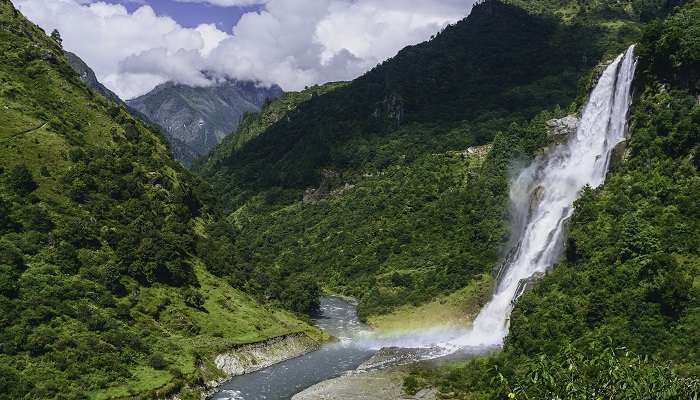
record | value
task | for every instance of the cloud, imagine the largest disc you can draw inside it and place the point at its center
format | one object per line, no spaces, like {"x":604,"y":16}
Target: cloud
{"x":290,"y":42}
{"x":107,"y":37}
{"x":226,"y":3}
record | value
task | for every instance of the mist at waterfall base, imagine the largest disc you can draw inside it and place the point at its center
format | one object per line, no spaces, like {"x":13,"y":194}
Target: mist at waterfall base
{"x":542,"y":197}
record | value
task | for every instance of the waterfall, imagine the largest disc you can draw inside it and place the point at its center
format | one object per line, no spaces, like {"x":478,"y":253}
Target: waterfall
{"x":543,"y":194}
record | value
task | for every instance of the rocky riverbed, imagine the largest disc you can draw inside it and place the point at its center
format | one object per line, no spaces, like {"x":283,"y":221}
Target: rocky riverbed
{"x":370,"y":385}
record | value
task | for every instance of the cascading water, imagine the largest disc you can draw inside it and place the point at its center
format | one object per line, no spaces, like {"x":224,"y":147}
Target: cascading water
{"x":543,"y":194}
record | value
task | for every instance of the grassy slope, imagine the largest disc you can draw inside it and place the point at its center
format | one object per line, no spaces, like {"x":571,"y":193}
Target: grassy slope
{"x":66,"y":331}
{"x":456,"y":310}
{"x":228,"y":318}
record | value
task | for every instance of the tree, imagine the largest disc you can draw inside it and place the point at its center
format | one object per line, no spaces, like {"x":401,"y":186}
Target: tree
{"x":56,"y":36}
{"x":21,"y":180}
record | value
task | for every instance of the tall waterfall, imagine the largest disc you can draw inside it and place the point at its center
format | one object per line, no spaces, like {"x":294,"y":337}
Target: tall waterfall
{"x":543,"y":194}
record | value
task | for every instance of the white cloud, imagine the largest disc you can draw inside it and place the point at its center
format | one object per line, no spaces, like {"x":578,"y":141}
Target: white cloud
{"x":290,"y":42}
{"x":226,"y":3}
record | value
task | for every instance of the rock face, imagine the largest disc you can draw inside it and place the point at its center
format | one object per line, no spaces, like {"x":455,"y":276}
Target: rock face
{"x":394,"y":356}
{"x":87,"y":75}
{"x":565,"y":127}
{"x":257,"y":356}
{"x":479,"y":151}
{"x":201,"y":117}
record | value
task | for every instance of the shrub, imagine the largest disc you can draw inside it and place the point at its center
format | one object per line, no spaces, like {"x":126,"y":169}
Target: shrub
{"x":157,"y":361}
{"x":193,"y":298}
{"x":21,"y":180}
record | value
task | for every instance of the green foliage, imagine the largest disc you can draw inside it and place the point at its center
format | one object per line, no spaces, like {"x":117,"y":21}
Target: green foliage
{"x":98,"y":243}
{"x":630,"y":277}
{"x":56,"y":36}
{"x":157,"y":361}
{"x":608,"y":373}
{"x":20,"y":180}
{"x":599,"y":372}
{"x":193,"y":298}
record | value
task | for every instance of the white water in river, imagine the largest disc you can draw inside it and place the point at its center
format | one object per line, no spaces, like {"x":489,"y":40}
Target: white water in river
{"x":543,"y":194}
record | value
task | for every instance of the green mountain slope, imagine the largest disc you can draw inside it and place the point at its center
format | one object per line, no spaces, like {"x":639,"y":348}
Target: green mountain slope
{"x":372,"y":188}
{"x":630,"y":281}
{"x":180,"y":150}
{"x":102,"y":293}
{"x":253,"y":124}
{"x":501,"y":64}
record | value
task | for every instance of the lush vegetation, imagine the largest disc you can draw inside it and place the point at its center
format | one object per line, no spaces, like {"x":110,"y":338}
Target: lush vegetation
{"x":368,"y":188}
{"x":119,"y":278}
{"x":253,"y":124}
{"x":630,"y":278}
{"x":101,"y":290}
{"x":499,"y":65}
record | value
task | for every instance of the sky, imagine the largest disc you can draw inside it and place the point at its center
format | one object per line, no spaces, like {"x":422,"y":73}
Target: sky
{"x":134,"y":45}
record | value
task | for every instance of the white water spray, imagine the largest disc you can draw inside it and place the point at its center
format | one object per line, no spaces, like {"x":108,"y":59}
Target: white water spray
{"x":543,"y":194}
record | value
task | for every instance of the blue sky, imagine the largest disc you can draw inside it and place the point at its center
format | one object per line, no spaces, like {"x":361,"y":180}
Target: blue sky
{"x":191,"y":15}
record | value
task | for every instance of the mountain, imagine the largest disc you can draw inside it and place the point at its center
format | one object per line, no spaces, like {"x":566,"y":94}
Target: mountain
{"x":102,"y":284}
{"x":87,"y":75}
{"x":180,"y":150}
{"x":201,"y":117}
{"x":393,"y":188}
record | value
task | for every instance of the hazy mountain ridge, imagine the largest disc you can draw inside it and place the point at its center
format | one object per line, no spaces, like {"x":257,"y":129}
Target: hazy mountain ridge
{"x":201,"y":117}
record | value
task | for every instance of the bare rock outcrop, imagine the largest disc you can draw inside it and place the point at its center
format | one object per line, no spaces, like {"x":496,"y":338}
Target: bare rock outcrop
{"x":563,"y":127}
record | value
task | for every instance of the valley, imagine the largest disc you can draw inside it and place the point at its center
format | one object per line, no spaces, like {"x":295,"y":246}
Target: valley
{"x":508,"y":210}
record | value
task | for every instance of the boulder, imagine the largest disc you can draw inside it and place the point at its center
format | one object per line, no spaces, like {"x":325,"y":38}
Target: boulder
{"x":563,"y":127}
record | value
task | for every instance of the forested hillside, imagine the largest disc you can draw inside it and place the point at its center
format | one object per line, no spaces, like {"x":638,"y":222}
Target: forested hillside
{"x":122,"y":275}
{"x":628,"y":288}
{"x":483,"y":69}
{"x":102,"y":293}
{"x":372,"y":188}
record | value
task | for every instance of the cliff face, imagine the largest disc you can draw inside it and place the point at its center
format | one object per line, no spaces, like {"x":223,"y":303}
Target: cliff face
{"x":87,"y":75}
{"x":201,"y":117}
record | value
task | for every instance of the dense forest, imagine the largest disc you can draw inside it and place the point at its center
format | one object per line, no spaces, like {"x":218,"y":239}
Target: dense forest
{"x":102,"y":290}
{"x":618,"y":316}
{"x":122,"y":274}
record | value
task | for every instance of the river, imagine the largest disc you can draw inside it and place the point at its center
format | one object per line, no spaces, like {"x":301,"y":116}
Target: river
{"x":338,"y":318}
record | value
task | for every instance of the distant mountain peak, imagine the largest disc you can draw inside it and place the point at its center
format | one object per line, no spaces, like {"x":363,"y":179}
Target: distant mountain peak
{"x":202,"y":116}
